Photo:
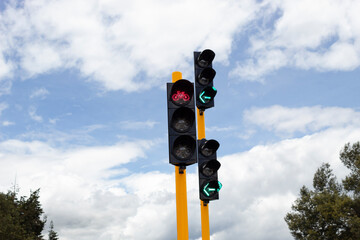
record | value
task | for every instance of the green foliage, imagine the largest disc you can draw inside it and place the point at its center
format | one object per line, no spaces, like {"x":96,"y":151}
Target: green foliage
{"x":21,"y":219}
{"x":10,"y":227}
{"x":350,"y":156}
{"x":325,"y":181}
{"x":52,"y":234}
{"x":329,"y":211}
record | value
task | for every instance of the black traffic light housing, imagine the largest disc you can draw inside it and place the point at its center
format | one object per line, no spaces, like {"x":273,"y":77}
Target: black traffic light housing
{"x":209,"y":186}
{"x":181,"y":123}
{"x":204,"y":75}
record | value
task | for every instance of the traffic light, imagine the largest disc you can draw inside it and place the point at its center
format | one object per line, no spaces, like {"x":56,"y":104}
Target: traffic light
{"x":181,"y":123}
{"x":204,"y":75}
{"x":209,"y":186}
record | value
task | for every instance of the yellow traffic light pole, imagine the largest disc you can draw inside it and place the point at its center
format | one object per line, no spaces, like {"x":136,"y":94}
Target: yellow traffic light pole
{"x":181,"y":195}
{"x":205,"y":225}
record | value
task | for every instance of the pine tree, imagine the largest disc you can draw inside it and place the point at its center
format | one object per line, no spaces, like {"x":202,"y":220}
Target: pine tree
{"x":31,"y":213}
{"x":21,"y":219}
{"x":52,"y":234}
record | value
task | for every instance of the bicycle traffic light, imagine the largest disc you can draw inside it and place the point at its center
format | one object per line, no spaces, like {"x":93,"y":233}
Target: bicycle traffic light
{"x":181,"y":123}
{"x":209,"y":186}
{"x":204,"y":75}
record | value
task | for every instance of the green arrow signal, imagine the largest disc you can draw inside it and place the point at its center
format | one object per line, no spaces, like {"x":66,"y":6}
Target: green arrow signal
{"x":204,"y":98}
{"x":207,"y":94}
{"x":208,"y":190}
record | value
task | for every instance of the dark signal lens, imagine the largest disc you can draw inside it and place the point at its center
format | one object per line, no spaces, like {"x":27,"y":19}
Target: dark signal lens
{"x":209,"y":147}
{"x":183,"y":119}
{"x":211,"y":167}
{"x":184,"y":147}
{"x":206,"y":76}
{"x":205,"y":58}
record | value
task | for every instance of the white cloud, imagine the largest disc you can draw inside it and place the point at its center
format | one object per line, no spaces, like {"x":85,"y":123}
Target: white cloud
{"x":56,"y":137}
{"x":264,"y":63}
{"x":220,"y":129}
{"x":322,"y":35}
{"x":39,"y":57}
{"x":79,"y":191}
{"x":114,"y":42}
{"x":3,"y":106}
{"x":53,"y":120}
{"x":117,"y":43}
{"x":33,"y":115}
{"x":39,"y":93}
{"x":133,"y":125}
{"x":289,"y":120}
{"x":5,"y":68}
{"x":260,"y":185}
{"x":7,"y":123}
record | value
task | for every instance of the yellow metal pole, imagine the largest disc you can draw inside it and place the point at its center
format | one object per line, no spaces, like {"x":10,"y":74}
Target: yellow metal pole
{"x":201,"y":124}
{"x":205,"y":225}
{"x":181,"y":195}
{"x":181,"y":205}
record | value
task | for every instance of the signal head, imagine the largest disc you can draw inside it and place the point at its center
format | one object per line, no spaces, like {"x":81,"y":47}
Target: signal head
{"x":181,"y":123}
{"x":205,"y":58}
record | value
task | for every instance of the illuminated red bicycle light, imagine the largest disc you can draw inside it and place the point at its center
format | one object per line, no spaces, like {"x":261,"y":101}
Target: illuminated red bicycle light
{"x":180,"y":96}
{"x":182,"y":92}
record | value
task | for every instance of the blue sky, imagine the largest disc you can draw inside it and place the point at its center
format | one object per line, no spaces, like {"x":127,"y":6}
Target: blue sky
{"x":83,"y":108}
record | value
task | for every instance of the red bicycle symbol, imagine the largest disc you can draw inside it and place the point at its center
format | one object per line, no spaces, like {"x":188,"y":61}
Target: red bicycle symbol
{"x":180,"y":95}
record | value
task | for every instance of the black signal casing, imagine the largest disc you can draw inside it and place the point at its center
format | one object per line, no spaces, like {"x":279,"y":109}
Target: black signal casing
{"x":185,"y":110}
{"x":203,"y":179}
{"x":200,"y":87}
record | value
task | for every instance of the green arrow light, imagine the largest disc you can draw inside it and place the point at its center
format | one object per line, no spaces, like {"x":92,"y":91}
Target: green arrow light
{"x":220,"y":186}
{"x":204,"y":98}
{"x":209,"y":190}
{"x":205,"y":190}
{"x":207,"y":94}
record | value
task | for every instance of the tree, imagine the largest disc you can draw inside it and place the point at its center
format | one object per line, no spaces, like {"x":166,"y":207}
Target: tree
{"x":331,"y":210}
{"x":21,"y":219}
{"x":52,"y":234}
{"x":30,"y":215}
{"x":10,"y":227}
{"x":350,"y":156}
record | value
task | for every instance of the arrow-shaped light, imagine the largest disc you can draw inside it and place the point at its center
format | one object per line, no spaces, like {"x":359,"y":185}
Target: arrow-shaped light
{"x":207,"y":94}
{"x":208,"y":190}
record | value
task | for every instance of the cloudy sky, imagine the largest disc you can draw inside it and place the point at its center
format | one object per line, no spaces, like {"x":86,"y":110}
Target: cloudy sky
{"x":83,"y":108}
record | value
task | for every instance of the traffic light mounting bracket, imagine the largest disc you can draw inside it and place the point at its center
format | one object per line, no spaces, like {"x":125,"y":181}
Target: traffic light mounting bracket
{"x":182,"y":169}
